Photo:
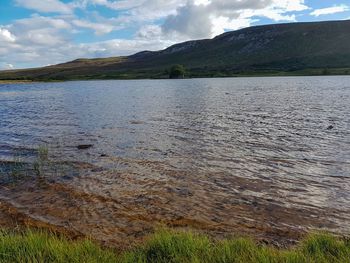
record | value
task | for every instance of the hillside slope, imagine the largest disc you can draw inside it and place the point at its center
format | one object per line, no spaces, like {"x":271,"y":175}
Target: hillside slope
{"x":276,"y":49}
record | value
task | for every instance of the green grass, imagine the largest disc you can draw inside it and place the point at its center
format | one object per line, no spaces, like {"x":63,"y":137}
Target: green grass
{"x":169,"y":247}
{"x":41,"y":161}
{"x":33,"y":246}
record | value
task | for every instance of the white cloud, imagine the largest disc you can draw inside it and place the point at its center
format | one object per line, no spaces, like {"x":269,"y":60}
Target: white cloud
{"x":223,"y":23}
{"x":40,"y":22}
{"x":6,"y":66}
{"x":6,"y":35}
{"x":191,"y":20}
{"x":149,"y":32}
{"x":197,"y":20}
{"x":118,"y":5}
{"x":290,"y":5}
{"x":40,"y":31}
{"x":99,"y":28}
{"x":45,"y":6}
{"x":330,"y":10}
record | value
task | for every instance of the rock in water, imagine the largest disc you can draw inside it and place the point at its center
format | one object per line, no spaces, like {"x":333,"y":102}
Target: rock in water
{"x":84,"y":146}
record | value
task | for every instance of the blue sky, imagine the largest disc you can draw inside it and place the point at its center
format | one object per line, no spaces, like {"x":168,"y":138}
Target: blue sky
{"x":44,"y":32}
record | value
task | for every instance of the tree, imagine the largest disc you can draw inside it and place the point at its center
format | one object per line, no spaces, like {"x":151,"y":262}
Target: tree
{"x":177,"y":72}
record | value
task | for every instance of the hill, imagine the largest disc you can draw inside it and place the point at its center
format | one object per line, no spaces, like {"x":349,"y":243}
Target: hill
{"x":280,"y":49}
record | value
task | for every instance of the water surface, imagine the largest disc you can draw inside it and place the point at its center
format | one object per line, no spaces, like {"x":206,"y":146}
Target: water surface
{"x":267,"y":156}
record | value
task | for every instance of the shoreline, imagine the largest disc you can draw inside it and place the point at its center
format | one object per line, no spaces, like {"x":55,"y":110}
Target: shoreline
{"x":186,"y":78}
{"x":17,"y":81}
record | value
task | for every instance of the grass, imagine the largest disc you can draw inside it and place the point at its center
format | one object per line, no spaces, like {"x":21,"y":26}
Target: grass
{"x":169,"y":246}
{"x":33,"y":246}
{"x":17,"y":169}
{"x":41,"y":161}
{"x":190,"y":73}
{"x":14,"y":81}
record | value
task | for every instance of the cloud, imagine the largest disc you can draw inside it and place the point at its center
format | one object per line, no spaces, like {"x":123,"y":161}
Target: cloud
{"x":40,"y":31}
{"x":207,"y":19}
{"x":45,"y":6}
{"x":99,"y":28}
{"x":149,"y":32}
{"x":117,"y":5}
{"x":6,"y":66}
{"x":330,"y":10}
{"x":6,"y":35}
{"x":131,"y":11}
{"x":191,"y":20}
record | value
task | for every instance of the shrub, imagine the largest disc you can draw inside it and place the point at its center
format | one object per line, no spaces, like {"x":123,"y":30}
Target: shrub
{"x":177,"y":71}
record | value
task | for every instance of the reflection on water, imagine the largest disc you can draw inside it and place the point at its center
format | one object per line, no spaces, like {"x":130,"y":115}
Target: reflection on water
{"x":269,"y":156}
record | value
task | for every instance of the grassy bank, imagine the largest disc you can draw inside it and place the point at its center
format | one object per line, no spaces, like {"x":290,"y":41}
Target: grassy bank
{"x":168,"y":246}
{"x":160,"y":74}
{"x":15,"y":81}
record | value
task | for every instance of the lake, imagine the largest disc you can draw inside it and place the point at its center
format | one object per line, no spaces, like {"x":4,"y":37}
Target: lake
{"x":268,"y":157}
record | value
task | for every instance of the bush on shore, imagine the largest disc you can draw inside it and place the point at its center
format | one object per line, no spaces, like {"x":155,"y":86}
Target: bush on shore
{"x":169,"y":246}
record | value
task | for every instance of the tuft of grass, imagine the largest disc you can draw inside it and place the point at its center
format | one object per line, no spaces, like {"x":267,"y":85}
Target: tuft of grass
{"x":42,"y":161}
{"x":43,"y":152}
{"x":38,"y":246}
{"x":326,"y":248}
{"x":177,"y":247}
{"x":168,"y":246}
{"x":17,"y":168}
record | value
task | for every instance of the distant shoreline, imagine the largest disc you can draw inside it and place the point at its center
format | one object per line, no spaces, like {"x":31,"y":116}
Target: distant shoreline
{"x":16,"y":81}
{"x":279,"y":74}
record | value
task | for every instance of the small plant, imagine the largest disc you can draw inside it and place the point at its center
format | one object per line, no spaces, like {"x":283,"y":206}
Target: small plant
{"x":37,"y":168}
{"x":42,"y":161}
{"x":17,"y":168}
{"x":43,"y":152}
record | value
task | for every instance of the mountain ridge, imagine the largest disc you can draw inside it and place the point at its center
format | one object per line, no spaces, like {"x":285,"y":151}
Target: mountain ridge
{"x":278,"y":49}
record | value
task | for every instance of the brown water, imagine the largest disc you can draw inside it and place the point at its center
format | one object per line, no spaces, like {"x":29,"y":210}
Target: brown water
{"x":264,"y":156}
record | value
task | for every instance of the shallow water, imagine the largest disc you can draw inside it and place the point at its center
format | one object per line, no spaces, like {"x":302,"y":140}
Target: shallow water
{"x":268,"y":156}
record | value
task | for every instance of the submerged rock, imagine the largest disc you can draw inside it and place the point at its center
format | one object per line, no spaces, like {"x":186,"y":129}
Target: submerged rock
{"x":84,"y":146}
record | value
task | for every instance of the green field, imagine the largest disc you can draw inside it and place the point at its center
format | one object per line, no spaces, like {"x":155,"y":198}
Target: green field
{"x":169,"y":246}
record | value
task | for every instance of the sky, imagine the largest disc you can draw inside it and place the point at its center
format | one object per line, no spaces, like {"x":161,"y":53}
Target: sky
{"x":44,"y":32}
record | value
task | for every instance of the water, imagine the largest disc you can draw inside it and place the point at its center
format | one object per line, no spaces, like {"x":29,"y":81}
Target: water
{"x":267,"y":156}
